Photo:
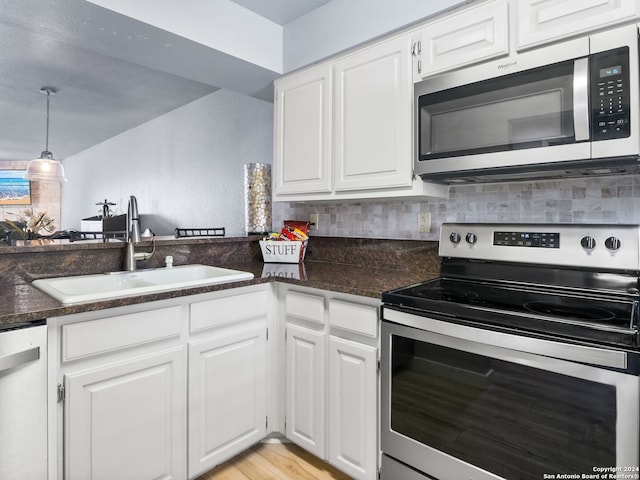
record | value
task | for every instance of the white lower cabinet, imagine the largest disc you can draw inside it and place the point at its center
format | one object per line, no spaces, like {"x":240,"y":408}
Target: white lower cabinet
{"x":164,"y":390}
{"x":305,"y":387}
{"x":168,"y":390}
{"x":352,"y":407}
{"x":331,"y":365}
{"x":227,"y":394}
{"x":126,"y":420}
{"x":124,"y":404}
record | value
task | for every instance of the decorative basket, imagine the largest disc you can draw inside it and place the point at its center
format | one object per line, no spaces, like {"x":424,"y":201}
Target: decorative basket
{"x":274,"y":251}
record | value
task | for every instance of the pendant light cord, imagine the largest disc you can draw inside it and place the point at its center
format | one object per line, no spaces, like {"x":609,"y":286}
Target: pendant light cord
{"x":46,"y":143}
{"x":48,"y":91}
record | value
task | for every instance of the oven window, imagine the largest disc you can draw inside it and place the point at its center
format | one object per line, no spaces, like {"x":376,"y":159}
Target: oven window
{"x":521,"y":110}
{"x":515,"y":421}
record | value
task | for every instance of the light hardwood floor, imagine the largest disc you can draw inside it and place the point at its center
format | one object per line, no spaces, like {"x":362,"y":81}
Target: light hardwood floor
{"x":274,"y":461}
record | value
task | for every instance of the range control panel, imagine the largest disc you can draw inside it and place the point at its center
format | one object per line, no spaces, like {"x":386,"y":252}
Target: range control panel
{"x":610,"y":247}
{"x":527,"y":239}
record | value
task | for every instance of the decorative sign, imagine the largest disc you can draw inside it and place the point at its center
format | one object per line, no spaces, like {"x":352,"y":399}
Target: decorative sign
{"x":274,"y":251}
{"x":14,"y":189}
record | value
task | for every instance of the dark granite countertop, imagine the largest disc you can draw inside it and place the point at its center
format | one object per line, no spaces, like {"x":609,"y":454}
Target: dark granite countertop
{"x":23,"y":302}
{"x":364,"y":267}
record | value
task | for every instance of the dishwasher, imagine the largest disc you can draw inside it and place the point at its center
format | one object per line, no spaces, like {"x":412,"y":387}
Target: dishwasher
{"x":23,"y":401}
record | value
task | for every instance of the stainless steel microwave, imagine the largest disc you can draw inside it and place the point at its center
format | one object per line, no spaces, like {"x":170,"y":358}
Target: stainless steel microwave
{"x":568,"y":109}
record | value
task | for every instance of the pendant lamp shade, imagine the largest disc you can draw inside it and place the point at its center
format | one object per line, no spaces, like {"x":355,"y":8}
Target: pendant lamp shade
{"x":45,"y":168}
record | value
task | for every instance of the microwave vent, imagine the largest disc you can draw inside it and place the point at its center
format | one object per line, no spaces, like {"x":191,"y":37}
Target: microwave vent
{"x":589,"y":168}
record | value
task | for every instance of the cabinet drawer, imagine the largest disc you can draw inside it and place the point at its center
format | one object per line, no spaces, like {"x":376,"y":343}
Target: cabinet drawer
{"x":93,"y":337}
{"x":305,"y":306}
{"x":354,"y":317}
{"x":220,"y":311}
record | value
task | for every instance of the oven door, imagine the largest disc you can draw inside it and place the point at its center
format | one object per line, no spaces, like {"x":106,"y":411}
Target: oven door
{"x":461,"y":402}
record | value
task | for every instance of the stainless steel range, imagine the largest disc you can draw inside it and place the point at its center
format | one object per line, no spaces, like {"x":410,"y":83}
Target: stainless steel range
{"x":521,"y":361}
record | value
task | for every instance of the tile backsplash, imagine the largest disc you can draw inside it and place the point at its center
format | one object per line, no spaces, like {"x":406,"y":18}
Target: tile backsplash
{"x":583,"y":200}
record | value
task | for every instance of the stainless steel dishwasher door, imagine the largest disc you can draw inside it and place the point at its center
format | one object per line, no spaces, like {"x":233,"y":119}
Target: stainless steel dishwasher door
{"x":23,"y":403}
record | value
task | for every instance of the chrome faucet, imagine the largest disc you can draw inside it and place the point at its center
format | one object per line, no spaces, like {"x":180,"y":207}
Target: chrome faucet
{"x":133,"y":237}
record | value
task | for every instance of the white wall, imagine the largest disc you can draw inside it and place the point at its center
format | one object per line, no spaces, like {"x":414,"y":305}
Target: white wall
{"x":342,"y":24}
{"x":186,"y":168}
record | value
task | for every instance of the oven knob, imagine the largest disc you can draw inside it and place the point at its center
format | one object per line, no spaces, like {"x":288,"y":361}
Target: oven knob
{"x":454,"y":237}
{"x":588,"y":243}
{"x":612,"y":243}
{"x":471,"y":238}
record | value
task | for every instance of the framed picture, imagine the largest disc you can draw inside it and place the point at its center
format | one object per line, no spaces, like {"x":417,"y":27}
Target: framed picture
{"x":14,"y":189}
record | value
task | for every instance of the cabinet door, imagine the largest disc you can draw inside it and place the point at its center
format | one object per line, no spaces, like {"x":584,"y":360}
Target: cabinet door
{"x":353,"y":416}
{"x":372,"y":117}
{"x":227,"y":395}
{"x":473,"y":35}
{"x":542,"y":21}
{"x":305,"y":389}
{"x":302,"y":162}
{"x":127,"y":420}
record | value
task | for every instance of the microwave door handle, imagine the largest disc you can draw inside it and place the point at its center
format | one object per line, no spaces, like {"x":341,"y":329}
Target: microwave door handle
{"x":581,"y":99}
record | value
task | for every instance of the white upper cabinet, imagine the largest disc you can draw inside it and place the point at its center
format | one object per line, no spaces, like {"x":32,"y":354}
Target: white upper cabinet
{"x":473,"y":35}
{"x":302,"y":162}
{"x":543,"y":21}
{"x":372,"y":117}
{"x":343,"y":129}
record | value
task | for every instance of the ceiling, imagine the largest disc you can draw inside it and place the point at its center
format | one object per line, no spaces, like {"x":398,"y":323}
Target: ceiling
{"x":78,"y":48}
{"x":281,"y":12}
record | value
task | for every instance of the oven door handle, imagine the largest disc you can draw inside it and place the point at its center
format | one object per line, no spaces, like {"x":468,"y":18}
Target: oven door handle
{"x":587,"y":355}
{"x":581,"y":99}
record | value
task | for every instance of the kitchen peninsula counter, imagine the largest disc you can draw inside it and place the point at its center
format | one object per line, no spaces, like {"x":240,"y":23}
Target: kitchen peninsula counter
{"x":362,"y":267}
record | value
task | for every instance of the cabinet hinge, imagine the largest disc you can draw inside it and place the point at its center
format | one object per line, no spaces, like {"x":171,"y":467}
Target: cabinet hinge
{"x":61,"y":393}
{"x":416,"y":48}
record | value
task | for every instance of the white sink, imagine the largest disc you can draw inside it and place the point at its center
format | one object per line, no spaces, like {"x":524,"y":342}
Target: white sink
{"x":89,"y":288}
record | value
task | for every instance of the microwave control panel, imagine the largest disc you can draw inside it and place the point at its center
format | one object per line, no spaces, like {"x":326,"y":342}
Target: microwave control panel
{"x":610,"y":113}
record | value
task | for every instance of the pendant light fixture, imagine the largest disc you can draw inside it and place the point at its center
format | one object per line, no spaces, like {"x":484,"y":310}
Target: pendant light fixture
{"x":45,"y":168}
